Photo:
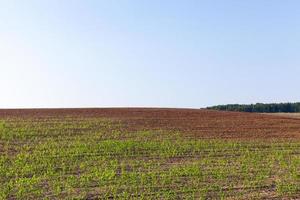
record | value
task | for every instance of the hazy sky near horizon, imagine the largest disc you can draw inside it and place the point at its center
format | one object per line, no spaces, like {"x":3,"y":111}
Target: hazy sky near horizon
{"x":158,"y":53}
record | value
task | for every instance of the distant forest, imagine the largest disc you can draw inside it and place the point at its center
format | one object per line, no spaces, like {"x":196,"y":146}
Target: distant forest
{"x":260,"y":107}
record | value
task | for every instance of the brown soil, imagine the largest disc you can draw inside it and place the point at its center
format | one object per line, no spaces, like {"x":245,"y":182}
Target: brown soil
{"x":199,"y":123}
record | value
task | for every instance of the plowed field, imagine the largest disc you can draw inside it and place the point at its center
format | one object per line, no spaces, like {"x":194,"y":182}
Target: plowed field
{"x":191,"y":122}
{"x":148,"y":153}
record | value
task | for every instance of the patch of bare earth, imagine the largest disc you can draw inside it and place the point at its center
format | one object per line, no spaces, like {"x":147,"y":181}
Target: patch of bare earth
{"x":199,"y":123}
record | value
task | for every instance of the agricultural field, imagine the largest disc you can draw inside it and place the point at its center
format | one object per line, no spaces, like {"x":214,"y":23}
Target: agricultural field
{"x":148,"y":154}
{"x":289,"y":115}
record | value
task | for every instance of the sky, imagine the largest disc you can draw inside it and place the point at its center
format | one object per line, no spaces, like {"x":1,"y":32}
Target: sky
{"x":141,"y":53}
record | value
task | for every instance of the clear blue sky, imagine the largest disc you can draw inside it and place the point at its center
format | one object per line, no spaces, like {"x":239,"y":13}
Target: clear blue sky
{"x":162,"y":53}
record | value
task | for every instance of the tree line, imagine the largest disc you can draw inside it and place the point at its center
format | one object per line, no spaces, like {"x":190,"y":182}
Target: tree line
{"x":260,"y":107}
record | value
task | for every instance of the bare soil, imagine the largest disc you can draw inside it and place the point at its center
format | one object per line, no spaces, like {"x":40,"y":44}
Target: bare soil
{"x":198,"y":123}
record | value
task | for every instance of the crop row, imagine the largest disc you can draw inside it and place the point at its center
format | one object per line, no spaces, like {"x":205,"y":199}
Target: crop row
{"x":96,"y":158}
